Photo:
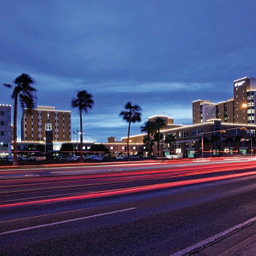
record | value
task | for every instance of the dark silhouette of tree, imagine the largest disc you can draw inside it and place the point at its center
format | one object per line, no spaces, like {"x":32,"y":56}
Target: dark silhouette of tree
{"x":160,"y":124}
{"x":148,"y":143}
{"x":67,"y":147}
{"x":99,"y":148}
{"x":131,"y":115}
{"x":150,"y":128}
{"x":83,"y":102}
{"x":169,"y":139}
{"x":27,"y":96}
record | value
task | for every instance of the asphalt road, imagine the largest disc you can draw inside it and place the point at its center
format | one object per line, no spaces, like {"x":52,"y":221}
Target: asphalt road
{"x":123,"y":210}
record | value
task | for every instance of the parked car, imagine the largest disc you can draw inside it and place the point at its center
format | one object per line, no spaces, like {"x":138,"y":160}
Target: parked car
{"x":21,"y":158}
{"x":72,"y":158}
{"x":96,"y":158}
{"x":119,"y":157}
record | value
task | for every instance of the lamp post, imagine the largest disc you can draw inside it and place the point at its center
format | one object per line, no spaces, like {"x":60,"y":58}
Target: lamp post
{"x":220,"y":131}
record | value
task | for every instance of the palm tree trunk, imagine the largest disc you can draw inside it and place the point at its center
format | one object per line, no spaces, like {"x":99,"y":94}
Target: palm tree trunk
{"x":128,"y":151}
{"x":81,"y":136}
{"x":148,"y":144}
{"x":158,"y":140}
{"x":15,"y":162}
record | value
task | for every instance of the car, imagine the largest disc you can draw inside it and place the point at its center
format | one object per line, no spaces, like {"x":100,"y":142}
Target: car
{"x":72,"y":158}
{"x":21,"y":158}
{"x":119,"y":157}
{"x":96,"y":158}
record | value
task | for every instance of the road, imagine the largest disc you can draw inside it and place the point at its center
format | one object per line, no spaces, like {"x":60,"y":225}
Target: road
{"x":122,"y":209}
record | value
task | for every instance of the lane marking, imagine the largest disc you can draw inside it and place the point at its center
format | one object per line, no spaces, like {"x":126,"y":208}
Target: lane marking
{"x":214,"y":239}
{"x":44,"y":215}
{"x":65,"y":221}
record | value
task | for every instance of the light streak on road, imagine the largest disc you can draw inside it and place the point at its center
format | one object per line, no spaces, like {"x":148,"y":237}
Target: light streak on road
{"x":115,"y":192}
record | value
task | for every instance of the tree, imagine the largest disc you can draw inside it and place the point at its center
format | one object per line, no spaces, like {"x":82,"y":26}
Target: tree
{"x":131,"y":115}
{"x":149,"y":143}
{"x":27,"y":96}
{"x":169,"y":139}
{"x":99,"y":147}
{"x":160,"y":124}
{"x":150,"y":128}
{"x":67,"y":147}
{"x":82,"y":102}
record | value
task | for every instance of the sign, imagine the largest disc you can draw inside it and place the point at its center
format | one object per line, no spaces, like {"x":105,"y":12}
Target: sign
{"x":239,"y":84}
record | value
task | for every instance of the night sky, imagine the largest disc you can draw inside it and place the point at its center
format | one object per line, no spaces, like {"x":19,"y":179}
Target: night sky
{"x":161,"y":55}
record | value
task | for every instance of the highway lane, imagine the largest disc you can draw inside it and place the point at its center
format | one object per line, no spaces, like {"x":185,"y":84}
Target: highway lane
{"x":148,"y":222}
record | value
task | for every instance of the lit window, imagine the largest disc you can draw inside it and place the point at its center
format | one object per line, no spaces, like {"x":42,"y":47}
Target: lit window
{"x":111,"y":147}
{"x":134,"y":147}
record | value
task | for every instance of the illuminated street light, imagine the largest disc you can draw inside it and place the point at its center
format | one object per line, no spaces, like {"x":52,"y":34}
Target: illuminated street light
{"x":244,"y":105}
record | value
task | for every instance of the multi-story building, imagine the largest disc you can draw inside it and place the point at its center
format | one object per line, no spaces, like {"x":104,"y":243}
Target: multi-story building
{"x":35,"y":122}
{"x":5,"y":127}
{"x":218,"y":128}
{"x":238,"y":110}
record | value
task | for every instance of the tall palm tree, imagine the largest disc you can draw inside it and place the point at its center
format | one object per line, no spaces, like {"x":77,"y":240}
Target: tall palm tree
{"x":83,"y":101}
{"x":149,"y":143}
{"x":160,"y":124}
{"x":150,"y":128}
{"x":27,"y":96}
{"x":169,"y":139}
{"x":131,"y":115}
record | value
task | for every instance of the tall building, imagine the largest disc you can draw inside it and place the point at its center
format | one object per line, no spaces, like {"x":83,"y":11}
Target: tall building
{"x":5,"y":125}
{"x":237,"y":110}
{"x":35,"y":122}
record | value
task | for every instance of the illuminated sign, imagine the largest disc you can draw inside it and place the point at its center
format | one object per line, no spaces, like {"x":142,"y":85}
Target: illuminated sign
{"x":239,"y":83}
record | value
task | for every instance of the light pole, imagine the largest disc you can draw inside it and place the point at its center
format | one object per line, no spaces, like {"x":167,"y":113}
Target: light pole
{"x":220,"y":131}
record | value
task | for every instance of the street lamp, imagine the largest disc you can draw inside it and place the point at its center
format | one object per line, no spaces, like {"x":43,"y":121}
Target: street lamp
{"x":220,"y":131}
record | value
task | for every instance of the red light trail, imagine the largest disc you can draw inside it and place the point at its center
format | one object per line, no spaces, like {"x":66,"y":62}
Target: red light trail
{"x":132,"y":177}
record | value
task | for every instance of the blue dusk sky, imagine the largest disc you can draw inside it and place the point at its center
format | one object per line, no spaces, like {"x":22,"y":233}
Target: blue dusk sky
{"x":161,"y":55}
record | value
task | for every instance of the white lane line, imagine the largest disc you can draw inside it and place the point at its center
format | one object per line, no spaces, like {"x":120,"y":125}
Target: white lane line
{"x":214,"y":239}
{"x":65,"y":221}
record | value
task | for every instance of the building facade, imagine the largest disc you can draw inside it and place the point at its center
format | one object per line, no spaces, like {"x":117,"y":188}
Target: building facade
{"x":5,"y":127}
{"x":238,"y":110}
{"x":35,"y":123}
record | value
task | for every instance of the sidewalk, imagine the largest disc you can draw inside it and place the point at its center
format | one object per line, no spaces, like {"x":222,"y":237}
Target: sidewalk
{"x":240,"y":243}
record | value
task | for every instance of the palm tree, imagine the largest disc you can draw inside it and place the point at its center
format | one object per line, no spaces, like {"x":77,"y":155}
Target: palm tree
{"x":83,"y":102}
{"x":160,"y":124}
{"x":150,"y":128}
{"x":169,"y":139}
{"x":149,"y":143}
{"x":27,"y":96}
{"x":131,"y":115}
